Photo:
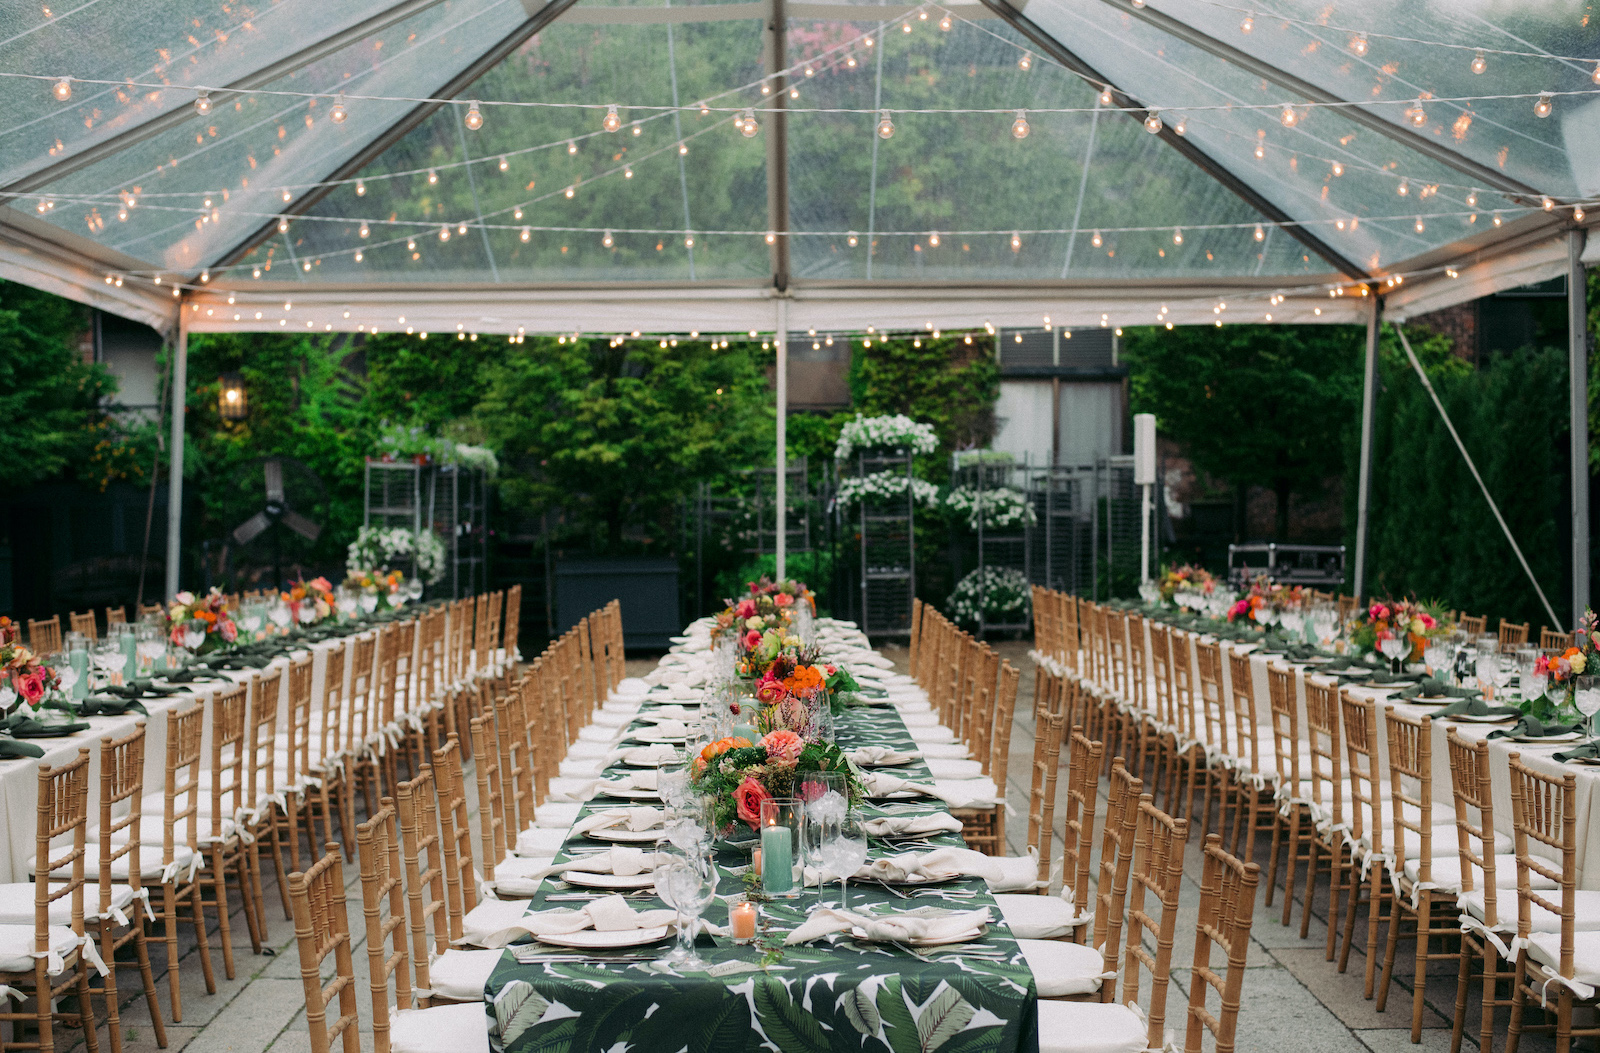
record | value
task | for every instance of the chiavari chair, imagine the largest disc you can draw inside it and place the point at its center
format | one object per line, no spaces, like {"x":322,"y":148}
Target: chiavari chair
{"x":84,"y":624}
{"x":1227,"y":909}
{"x":44,"y":635}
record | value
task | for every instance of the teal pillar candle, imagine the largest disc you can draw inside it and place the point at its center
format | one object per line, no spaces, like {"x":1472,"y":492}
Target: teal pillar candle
{"x":130,"y":664}
{"x":777,"y":860}
{"x":79,"y":659}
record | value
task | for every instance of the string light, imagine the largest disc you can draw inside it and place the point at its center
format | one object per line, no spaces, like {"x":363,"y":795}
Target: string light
{"x":852,"y":239}
{"x":474,"y":118}
{"x":202,"y":103}
{"x":361,"y":188}
{"x":444,"y":233}
{"x":1497,"y":219}
{"x":1016,"y":242}
{"x":1547,"y":204}
{"x":1404,"y":188}
{"x":1152,"y":122}
{"x":338,"y":113}
{"x":411,"y":244}
{"x":811,"y":71}
{"x":1261,"y":235}
{"x":933,"y":239}
{"x":1025,"y":63}
{"x":1419,"y":225}
{"x":1358,"y":43}
{"x":688,"y":242}
{"x":1182,"y":126}
{"x":1249,"y":23}
{"x":570,"y":192}
{"x":945,"y":23}
{"x":287,"y":197}
{"x":1417,"y":114}
{"x":364,"y":229}
{"x":1577,"y":213}
{"x":359,"y":256}
{"x":1096,"y":241}
{"x":1105,"y":95}
{"x":683,"y":149}
{"x":1289,"y":118}
{"x":1472,"y":198}
{"x":612,"y":121}
{"x":433,"y":177}
{"x":283,"y":225}
{"x":885,"y":125}
{"x":1019,"y":127}
{"x":607,"y":240}
{"x":1479,"y":63}
{"x":62,"y":89}
{"x":526,"y":235}
{"x":504,"y":164}
{"x":627,"y":171}
{"x":462,"y":229}
{"x":516,"y":213}
{"x":747,"y":124}
{"x":572,"y":147}
{"x":772,"y":238}
{"x":1338,"y":168}
{"x":1177,"y":235}
{"x":1543,"y":107}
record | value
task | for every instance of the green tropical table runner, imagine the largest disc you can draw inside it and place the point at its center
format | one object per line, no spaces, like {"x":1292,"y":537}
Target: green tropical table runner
{"x":835,"y":994}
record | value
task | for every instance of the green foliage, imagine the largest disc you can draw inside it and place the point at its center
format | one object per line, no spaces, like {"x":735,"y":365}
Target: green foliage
{"x":615,"y":436}
{"x":1255,"y":405}
{"x":1431,"y":532}
{"x":947,"y":383}
{"x":49,"y":397}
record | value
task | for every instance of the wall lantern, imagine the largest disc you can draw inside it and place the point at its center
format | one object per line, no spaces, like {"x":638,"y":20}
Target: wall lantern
{"x":232,"y":403}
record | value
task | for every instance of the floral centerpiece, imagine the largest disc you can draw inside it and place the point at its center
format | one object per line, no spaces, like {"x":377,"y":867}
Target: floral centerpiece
{"x":999,"y":508}
{"x":887,"y":432}
{"x":381,"y":586}
{"x":200,"y":624}
{"x":998,"y":594}
{"x":738,"y":774}
{"x":27,"y":680}
{"x":1265,"y":602}
{"x":1187,"y":578}
{"x":376,"y":549}
{"x":311,"y":601}
{"x":1413,"y":622}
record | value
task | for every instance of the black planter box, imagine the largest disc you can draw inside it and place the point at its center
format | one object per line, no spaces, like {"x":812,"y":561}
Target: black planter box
{"x":648,"y":589}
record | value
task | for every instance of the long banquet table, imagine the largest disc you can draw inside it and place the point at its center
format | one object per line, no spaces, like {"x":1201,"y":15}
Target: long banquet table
{"x":828,"y":995}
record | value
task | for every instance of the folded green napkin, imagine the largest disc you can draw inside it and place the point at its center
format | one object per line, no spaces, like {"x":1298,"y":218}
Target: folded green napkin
{"x":1382,"y":679}
{"x":12,"y":749}
{"x":192,"y":676}
{"x":1475,"y":707}
{"x":1533,"y":727}
{"x":94,"y":706}
{"x":1431,"y":688}
{"x":1587,"y":751}
{"x":141,"y":689}
{"x":23,"y":726}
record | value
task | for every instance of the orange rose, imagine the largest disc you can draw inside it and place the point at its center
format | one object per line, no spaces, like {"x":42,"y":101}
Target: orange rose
{"x":721,"y":746}
{"x":803,"y":680}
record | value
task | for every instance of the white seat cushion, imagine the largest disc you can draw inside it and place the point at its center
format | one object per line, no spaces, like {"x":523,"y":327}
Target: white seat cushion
{"x":1585,"y":915}
{"x":1545,"y":948}
{"x":935,"y":734}
{"x":582,"y":767}
{"x":1447,"y":872}
{"x":153,"y":828}
{"x":926,"y":719}
{"x":540,"y":840}
{"x":17,"y":943}
{"x":1090,"y":1027}
{"x":950,"y":768}
{"x":486,"y":924}
{"x":462,"y":975}
{"x":1061,"y":968}
{"x":592,"y":733}
{"x":557,"y":815}
{"x":459,"y":1028}
{"x":150,"y":866}
{"x":1037,"y":917}
{"x":954,"y":750}
{"x":16,"y":903}
{"x":586,"y":749}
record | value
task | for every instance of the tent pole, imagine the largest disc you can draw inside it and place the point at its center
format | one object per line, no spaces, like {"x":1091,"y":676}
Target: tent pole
{"x":1578,"y":368}
{"x":180,"y":390}
{"x":783,"y":435}
{"x":1369,"y":398}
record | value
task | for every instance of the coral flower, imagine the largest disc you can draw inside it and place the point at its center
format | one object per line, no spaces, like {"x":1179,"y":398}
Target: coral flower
{"x":783,"y":746}
{"x":747,"y":800}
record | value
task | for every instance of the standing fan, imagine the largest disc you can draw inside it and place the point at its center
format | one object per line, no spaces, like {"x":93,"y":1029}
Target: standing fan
{"x":287,"y":483}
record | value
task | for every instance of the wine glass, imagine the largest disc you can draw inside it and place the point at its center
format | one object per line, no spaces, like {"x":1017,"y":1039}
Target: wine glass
{"x":1393,"y":648}
{"x":1586,"y":696}
{"x":1486,"y":664}
{"x":825,"y":806}
{"x":687,"y":882}
{"x":109,"y":660}
{"x":844,"y":853}
{"x":369,"y":602}
{"x":1533,"y":682}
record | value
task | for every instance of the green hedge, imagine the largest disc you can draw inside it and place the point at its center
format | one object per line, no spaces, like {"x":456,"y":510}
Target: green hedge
{"x":1432,"y":533}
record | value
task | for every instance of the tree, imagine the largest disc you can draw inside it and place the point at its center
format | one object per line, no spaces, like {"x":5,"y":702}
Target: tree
{"x":49,"y":397}
{"x":1255,"y":405}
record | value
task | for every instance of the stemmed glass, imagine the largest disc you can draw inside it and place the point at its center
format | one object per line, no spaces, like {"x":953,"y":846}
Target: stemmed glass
{"x":687,"y":882}
{"x":825,"y":807}
{"x":1533,"y":682}
{"x":369,"y":602}
{"x":844,"y":853}
{"x":1586,"y":696}
{"x":109,"y":660}
{"x":1393,"y":648}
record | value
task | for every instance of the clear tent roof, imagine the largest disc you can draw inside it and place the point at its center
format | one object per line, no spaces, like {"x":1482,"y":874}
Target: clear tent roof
{"x":1299,"y":149}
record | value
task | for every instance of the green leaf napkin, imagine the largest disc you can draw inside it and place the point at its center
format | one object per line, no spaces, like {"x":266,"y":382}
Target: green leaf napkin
{"x":1475,"y":707}
{"x":23,"y":726}
{"x":12,"y":749}
{"x":1431,"y":688}
{"x":1587,"y":751}
{"x":1533,"y":727}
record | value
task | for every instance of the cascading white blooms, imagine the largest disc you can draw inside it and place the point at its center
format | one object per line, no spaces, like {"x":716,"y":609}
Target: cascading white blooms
{"x":886,"y":485}
{"x":887,"y":432}
{"x":378,"y":547}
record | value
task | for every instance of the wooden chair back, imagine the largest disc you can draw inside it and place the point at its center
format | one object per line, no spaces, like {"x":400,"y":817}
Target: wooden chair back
{"x":1326,"y":752}
{"x":61,"y":838}
{"x":1160,"y":678}
{"x":84,"y":623}
{"x":417,"y":808}
{"x":455,"y":833}
{"x":1157,"y":875}
{"x":181,"y":808}
{"x":1364,"y":778}
{"x":1551,"y":640}
{"x":493,"y":655}
{"x":1410,"y":741}
{"x":1047,"y":727}
{"x":513,"y":625}
{"x":1137,"y":674}
{"x":121,"y":780}
{"x":997,"y":731}
{"x":1474,"y":625}
{"x":297,"y":753}
{"x":1511,"y":635}
{"x":1116,"y":861}
{"x":516,"y":776}
{"x":116,"y":616}
{"x":229,"y":748}
{"x":383,"y":903}
{"x":1241,"y":691}
{"x":331,"y":736}
{"x":1084,"y":757}
{"x":1285,"y":724}
{"x":322,"y":928}
{"x":1227,"y":908}
{"x":491,"y":803}
{"x":262,"y":747}
{"x":362,"y":723}
{"x":1544,"y":811}
{"x":1473,"y":790}
{"x":1208,"y":671}
{"x":44,"y":635}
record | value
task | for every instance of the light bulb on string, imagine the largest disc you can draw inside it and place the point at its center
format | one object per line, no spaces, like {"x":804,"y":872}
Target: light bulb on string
{"x":1479,"y":62}
{"x":1261,"y":235}
{"x":61,"y":90}
{"x":1152,"y":123}
{"x":772,"y":237}
{"x":444,"y":233}
{"x":1097,"y":240}
{"x":794,"y":93}
{"x":1547,"y":204}
{"x":1105,"y":95}
{"x":1289,"y":117}
{"x":683,"y":149}
{"x":359,"y":256}
{"x":1016,"y":242}
{"x":1543,"y":107}
{"x":516,"y":213}
{"x":850,"y":61}
{"x":1138,"y":3}
{"x":852,"y":239}
{"x":869,"y":41}
{"x":627,"y":171}
{"x":462,"y":229}
{"x":572,"y":146}
{"x":361,"y":188}
{"x":1417,"y":114}
{"x":905,"y":27}
{"x":766,"y":89}
{"x":411,"y":244}
{"x":612,"y":120}
{"x":1497,"y":220}
{"x":1404,"y":189}
{"x":607,"y":240}
{"x":1595,"y":76}
{"x":202,"y":103}
{"x":570,"y":192}
{"x":1577,"y":213}
{"x":433,"y":177}
{"x":885,"y":125}
{"x":1025,"y":63}
{"x":1338,"y":168}
{"x":945,"y":23}
{"x":1358,"y":43}
{"x":1260,"y":151}
{"x":474,"y":118}
{"x":365,"y":230}
{"x":1419,"y":225}
{"x":933,"y":239}
{"x":688,"y":241}
{"x":704,"y":109}
{"x":1019,"y":127}
{"x":504,"y":164}
{"x":1177,"y":235}
{"x":811,"y":70}
{"x":747,"y":124}
{"x":283,"y":225}
{"x":1248,"y":24}
{"x":1472,"y":198}
{"x":287,"y":197}
{"x":1182,"y":126}
{"x":922,"y":16}
{"x":527,"y":234}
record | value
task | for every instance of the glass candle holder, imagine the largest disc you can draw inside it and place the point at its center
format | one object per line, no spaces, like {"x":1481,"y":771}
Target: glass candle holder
{"x":742,"y":921}
{"x":780,"y":847}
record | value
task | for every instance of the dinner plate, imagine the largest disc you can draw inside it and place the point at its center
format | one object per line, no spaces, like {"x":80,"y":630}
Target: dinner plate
{"x":1466,"y":719}
{"x":653,"y":736}
{"x":589,"y":879}
{"x":1430,"y":700}
{"x":634,"y":836}
{"x":630,"y":793}
{"x":1591,"y":761}
{"x":960,"y":937}
{"x":885,"y":764}
{"x":1535,"y":740}
{"x":594,"y":940}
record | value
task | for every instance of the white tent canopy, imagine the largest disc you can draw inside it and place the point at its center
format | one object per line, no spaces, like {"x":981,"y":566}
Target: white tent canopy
{"x":507,"y":166}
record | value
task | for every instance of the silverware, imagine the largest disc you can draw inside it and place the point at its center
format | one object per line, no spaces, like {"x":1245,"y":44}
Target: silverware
{"x":896,"y":891}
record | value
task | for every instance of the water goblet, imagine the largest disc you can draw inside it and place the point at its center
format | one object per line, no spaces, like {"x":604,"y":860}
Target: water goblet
{"x":825,"y":803}
{"x":1586,"y":696}
{"x":844,"y":853}
{"x":687,"y":882}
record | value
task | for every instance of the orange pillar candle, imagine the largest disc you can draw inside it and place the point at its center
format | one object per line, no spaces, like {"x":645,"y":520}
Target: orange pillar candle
{"x":742,"y":922}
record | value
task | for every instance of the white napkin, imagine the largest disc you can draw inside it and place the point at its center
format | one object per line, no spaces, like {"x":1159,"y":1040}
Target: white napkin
{"x":898,"y":825}
{"x":631,"y":818}
{"x":665,"y":729}
{"x":881,"y":784}
{"x":619,"y":860}
{"x":630,"y":687}
{"x":662,"y":714}
{"x":881,"y":755}
{"x":897,"y":928}
{"x":1000,"y":873}
{"x":660,"y":753}
{"x":611,"y":914}
{"x":584,"y":789}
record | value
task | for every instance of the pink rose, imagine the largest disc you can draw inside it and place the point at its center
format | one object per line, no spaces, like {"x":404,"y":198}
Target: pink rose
{"x":230,"y":631}
{"x":746,"y":609}
{"x":752,"y":640}
{"x":770,"y":691}
{"x":783,"y":599}
{"x":1427,"y":621}
{"x":830,"y":669}
{"x":29,"y":685}
{"x":783,"y":746}
{"x":747,"y":800}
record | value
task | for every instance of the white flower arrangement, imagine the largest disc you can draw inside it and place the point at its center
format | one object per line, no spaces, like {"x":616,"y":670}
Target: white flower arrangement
{"x":999,"y":509}
{"x":401,"y":442}
{"x":375,"y":548}
{"x":884,"y":485}
{"x":867,"y":433}
{"x":999,"y":593}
